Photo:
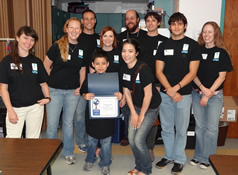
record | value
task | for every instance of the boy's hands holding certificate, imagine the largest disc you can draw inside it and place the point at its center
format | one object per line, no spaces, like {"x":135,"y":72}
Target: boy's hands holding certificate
{"x":118,"y":95}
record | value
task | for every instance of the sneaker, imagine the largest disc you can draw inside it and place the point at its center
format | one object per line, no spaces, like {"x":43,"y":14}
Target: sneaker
{"x":105,"y":170}
{"x":70,"y":159}
{"x":88,"y":166}
{"x":204,"y":166}
{"x":124,"y":141}
{"x":163,"y":162}
{"x":177,"y":168}
{"x":83,"y":148}
{"x":193,"y":162}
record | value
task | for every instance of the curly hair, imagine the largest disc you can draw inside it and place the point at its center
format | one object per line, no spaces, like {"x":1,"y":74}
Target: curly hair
{"x":218,"y":38}
{"x":63,"y":42}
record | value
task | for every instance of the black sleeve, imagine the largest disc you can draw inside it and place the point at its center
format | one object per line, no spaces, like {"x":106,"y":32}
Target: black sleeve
{"x":3,"y":71}
{"x":84,"y":87}
{"x":146,"y":76}
{"x":226,"y":65}
{"x":42,"y":76}
{"x":53,"y":52}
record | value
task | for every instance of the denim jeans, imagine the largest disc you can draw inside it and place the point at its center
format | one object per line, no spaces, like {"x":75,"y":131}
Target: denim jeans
{"x":175,"y":115}
{"x":66,"y":100}
{"x":105,"y":153}
{"x":137,"y":140}
{"x":81,"y":137}
{"x":126,"y":113}
{"x":207,"y":121}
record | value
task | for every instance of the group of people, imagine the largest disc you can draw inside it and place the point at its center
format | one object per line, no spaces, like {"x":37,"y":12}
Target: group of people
{"x":158,"y":76}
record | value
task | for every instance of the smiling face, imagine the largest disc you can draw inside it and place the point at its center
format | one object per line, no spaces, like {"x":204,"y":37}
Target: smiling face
{"x":25,"y":43}
{"x":73,"y":30}
{"x":108,"y":39}
{"x":88,"y":22}
{"x":132,"y":22}
{"x":100,"y":64}
{"x":129,"y":54}
{"x":152,"y":24}
{"x":177,"y":29}
{"x":208,"y":35}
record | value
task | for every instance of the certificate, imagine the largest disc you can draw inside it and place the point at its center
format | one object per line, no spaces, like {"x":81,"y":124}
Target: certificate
{"x":104,"y":107}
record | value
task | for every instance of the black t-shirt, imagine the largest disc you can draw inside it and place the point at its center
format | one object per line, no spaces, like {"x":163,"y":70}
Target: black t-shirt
{"x":177,"y":54}
{"x":126,"y":35}
{"x":24,"y":88}
{"x":214,"y":60}
{"x":148,"y":49}
{"x":90,"y":43}
{"x":97,"y":128}
{"x":115,"y":60}
{"x":144,"y":78}
{"x":65,"y":75}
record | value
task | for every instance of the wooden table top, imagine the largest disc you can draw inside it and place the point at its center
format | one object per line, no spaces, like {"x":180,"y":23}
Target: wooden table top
{"x":224,"y":164}
{"x":27,"y":156}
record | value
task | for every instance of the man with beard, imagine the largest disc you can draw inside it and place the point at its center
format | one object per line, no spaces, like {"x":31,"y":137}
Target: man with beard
{"x":132,"y":20}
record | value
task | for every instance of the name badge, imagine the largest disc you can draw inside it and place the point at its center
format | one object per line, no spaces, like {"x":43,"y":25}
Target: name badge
{"x":217,"y":55}
{"x":69,"y":57}
{"x":154,"y":52}
{"x":126,"y":77}
{"x":138,"y":78}
{"x":204,"y":56}
{"x":185,"y":47}
{"x":34,"y":68}
{"x":80,"y":53}
{"x":169,"y":52}
{"x":98,"y":43}
{"x":116,"y":58}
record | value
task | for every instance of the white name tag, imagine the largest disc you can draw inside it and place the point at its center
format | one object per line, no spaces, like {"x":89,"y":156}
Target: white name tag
{"x":69,"y":57}
{"x":169,"y":52}
{"x":185,"y":47}
{"x":126,"y":77}
{"x":138,"y":77}
{"x":116,"y":57}
{"x":217,"y":55}
{"x":80,"y":52}
{"x":204,"y":56}
{"x":154,"y":52}
{"x":34,"y":66}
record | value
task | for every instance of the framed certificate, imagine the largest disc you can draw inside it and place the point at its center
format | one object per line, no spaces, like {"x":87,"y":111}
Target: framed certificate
{"x":104,"y":107}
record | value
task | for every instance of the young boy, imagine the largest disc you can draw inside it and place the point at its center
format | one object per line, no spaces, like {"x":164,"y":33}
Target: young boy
{"x":98,"y":129}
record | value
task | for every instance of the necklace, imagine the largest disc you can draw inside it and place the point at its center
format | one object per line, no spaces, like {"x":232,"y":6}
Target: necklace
{"x":72,"y":50}
{"x":137,"y":34}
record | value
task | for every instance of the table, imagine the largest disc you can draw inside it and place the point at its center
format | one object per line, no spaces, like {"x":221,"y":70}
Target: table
{"x":224,"y":164}
{"x":28,"y":156}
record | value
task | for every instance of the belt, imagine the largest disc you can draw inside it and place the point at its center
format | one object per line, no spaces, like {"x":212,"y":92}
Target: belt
{"x":200,"y":92}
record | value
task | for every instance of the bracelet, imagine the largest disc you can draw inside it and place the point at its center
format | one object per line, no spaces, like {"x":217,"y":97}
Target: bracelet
{"x":48,"y":98}
{"x":180,"y":85}
{"x":200,"y":85}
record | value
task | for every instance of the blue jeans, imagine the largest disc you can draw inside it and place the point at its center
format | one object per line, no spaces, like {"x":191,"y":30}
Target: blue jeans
{"x":105,"y":153}
{"x":126,"y":113}
{"x":207,"y":121}
{"x":66,"y":100}
{"x":175,"y":115}
{"x":137,"y":140}
{"x":81,"y":137}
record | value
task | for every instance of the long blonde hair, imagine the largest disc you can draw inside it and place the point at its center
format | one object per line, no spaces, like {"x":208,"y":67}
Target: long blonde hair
{"x":63,"y":42}
{"x":218,"y":38}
